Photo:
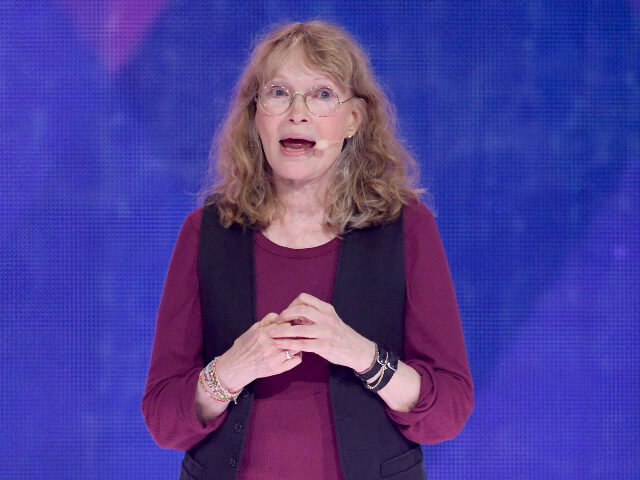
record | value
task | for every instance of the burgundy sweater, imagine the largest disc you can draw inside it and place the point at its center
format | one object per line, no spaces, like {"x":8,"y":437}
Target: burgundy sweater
{"x":290,"y":430}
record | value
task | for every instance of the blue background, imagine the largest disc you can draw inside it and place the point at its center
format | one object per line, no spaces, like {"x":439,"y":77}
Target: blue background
{"x":524,"y":118}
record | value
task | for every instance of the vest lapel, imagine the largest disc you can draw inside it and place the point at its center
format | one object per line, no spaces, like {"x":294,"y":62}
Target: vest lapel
{"x":227,"y":283}
{"x":369,"y":289}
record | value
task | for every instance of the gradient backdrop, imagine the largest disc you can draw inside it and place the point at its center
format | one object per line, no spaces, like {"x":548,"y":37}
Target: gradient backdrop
{"x":523,"y":115}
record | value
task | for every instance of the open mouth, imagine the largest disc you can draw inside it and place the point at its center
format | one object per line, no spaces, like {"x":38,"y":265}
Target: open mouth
{"x":297,"y":144}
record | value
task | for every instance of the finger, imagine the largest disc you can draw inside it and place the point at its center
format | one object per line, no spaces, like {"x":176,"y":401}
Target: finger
{"x":295,"y":331}
{"x":283,"y":355}
{"x":296,"y":301}
{"x":268,"y":319}
{"x":289,"y":364}
{"x":297,"y":344}
{"x":280,"y":321}
{"x":287,"y":355}
{"x":310,"y":300}
{"x":279,"y":354}
{"x":305,"y":312}
{"x":304,"y":299}
{"x":295,"y":321}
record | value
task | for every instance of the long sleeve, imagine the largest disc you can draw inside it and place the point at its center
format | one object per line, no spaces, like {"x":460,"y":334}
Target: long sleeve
{"x":168,"y":404}
{"x":433,"y":343}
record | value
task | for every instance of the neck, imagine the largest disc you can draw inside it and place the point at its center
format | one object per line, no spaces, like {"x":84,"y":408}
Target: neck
{"x":300,"y":218}
{"x":300,"y":203}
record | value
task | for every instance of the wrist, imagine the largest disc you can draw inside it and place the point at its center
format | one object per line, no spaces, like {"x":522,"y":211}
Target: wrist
{"x":228,"y":377}
{"x":375,"y":378}
{"x":365,"y":357}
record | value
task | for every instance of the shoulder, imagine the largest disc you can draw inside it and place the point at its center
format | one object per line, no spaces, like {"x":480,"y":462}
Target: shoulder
{"x":189,"y":236}
{"x":422,"y":241}
{"x":185,"y":251}
{"x":193,"y":220}
{"x":418,"y":219}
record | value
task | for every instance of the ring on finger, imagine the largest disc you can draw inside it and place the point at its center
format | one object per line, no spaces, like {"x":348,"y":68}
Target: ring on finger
{"x":289,"y":357}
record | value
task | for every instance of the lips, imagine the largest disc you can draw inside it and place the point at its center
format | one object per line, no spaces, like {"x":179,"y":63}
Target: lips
{"x":297,"y":144}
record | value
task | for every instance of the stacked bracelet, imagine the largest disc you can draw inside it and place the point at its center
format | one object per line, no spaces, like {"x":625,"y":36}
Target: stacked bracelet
{"x":210,"y":384}
{"x":389,"y":367}
{"x":370,"y":372}
{"x":384,"y":366}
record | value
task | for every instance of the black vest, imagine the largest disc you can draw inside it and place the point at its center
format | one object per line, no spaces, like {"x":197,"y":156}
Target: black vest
{"x":369,"y":295}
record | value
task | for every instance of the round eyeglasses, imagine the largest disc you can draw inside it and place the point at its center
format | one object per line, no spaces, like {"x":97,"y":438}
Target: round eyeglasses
{"x":320,"y":101}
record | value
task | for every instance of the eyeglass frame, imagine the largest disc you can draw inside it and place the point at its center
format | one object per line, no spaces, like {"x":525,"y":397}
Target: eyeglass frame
{"x":304,"y":99}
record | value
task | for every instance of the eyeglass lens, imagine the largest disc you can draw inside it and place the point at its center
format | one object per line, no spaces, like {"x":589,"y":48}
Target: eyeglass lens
{"x":321,"y":101}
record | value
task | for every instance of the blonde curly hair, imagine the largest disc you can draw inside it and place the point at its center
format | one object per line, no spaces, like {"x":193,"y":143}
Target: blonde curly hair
{"x":374,"y":175}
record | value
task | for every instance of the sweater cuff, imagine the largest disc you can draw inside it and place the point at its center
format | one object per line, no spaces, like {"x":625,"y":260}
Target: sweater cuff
{"x":189,"y":409}
{"x":426,"y":397}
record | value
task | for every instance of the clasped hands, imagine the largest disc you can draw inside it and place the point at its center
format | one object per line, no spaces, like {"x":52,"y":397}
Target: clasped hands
{"x":311,"y":325}
{"x":307,"y":325}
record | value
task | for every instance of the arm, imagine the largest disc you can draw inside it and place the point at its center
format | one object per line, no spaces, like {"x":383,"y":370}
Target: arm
{"x":328,"y":336}
{"x":403,"y":390}
{"x":169,"y":402}
{"x":177,"y":411}
{"x":430,"y":396}
{"x":434,"y":344}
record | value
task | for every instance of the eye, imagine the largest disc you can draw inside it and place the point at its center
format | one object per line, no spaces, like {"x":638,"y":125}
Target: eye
{"x":323,"y":94}
{"x":276,"y":91}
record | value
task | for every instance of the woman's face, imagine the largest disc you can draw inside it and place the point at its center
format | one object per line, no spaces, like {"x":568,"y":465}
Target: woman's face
{"x":290,"y":140}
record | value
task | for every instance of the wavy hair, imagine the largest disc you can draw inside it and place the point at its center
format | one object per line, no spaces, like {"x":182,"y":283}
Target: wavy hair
{"x":374,"y":175}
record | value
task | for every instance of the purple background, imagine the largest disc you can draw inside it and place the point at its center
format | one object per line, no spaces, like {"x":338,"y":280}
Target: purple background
{"x":523,"y":115}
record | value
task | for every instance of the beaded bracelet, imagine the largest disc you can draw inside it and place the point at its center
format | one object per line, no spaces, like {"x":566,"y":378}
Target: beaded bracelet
{"x":215,"y":390}
{"x":204,"y":387}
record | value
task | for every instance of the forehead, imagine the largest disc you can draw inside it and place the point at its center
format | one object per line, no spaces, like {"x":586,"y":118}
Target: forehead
{"x":297,"y":71}
{"x":300,"y":79}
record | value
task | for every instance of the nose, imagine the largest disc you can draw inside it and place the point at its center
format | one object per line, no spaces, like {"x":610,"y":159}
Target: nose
{"x":298,"y":111}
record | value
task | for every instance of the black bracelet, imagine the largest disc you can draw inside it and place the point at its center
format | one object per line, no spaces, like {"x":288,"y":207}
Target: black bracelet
{"x":389,"y":367}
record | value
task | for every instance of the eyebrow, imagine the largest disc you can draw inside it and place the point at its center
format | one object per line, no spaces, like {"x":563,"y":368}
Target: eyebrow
{"x":317,"y":82}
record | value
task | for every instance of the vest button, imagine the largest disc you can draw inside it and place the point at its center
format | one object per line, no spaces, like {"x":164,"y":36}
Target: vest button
{"x":233,"y":462}
{"x":237,"y":427}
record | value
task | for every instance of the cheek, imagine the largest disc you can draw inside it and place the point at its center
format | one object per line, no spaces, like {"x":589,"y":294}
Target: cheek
{"x":259,"y":127}
{"x":264,"y":129}
{"x":336,"y":129}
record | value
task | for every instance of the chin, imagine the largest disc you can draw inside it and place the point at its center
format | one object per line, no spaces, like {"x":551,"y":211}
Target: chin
{"x":298,"y":176}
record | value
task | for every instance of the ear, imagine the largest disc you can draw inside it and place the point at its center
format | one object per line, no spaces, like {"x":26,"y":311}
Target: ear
{"x":355,"y":117}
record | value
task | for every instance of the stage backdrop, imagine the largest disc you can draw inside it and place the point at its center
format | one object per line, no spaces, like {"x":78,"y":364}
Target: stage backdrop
{"x":523,"y":115}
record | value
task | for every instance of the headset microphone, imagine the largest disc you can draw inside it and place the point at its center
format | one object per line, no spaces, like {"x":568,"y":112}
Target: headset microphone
{"x":323,"y":143}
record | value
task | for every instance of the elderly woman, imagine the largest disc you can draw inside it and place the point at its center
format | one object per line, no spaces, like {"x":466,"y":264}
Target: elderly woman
{"x":308,"y":326}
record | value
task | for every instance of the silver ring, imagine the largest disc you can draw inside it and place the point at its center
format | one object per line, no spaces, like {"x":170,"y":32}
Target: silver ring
{"x":289,"y":357}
